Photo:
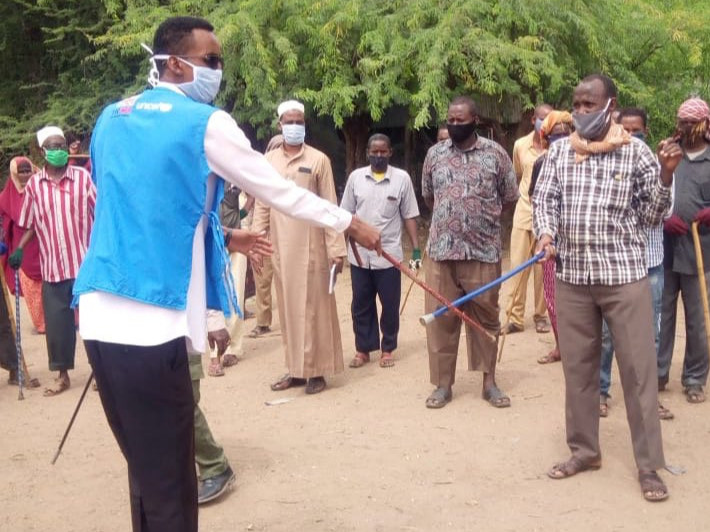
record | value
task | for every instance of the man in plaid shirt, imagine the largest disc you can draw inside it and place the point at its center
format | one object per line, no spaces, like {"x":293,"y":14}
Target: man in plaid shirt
{"x":598,"y":191}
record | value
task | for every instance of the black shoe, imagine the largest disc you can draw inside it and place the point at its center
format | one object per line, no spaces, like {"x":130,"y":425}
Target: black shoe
{"x":214,"y":487}
{"x":259,"y":330}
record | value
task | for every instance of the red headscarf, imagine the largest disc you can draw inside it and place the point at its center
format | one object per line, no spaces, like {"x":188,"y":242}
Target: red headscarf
{"x":11,"y":199}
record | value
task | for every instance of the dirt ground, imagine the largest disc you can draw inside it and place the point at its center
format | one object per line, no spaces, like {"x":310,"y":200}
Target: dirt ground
{"x":365,"y":455}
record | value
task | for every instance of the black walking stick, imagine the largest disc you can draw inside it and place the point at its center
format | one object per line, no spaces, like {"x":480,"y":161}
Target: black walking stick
{"x":73,"y":417}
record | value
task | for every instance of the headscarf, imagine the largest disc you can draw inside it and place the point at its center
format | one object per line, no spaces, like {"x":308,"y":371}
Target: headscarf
{"x":696,"y":110}
{"x":15,"y":163}
{"x":551,"y":120}
{"x":11,"y":199}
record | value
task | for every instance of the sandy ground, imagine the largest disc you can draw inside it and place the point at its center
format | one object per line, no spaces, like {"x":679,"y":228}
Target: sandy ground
{"x":364,"y":455}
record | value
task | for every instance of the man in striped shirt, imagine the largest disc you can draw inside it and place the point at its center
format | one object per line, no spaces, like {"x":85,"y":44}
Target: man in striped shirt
{"x":597,"y":193}
{"x":59,"y":209}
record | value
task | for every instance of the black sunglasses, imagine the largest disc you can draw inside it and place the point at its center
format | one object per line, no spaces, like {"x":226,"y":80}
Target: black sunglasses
{"x":213,"y":61}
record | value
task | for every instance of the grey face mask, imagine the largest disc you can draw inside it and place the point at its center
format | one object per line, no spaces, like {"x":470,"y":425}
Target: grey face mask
{"x":591,"y":125}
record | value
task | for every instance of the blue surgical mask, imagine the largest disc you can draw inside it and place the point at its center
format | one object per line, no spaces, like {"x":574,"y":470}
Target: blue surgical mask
{"x":294,"y":134}
{"x":205,"y":81}
{"x":538,"y":124}
{"x":556,"y":137}
{"x":639,"y":135}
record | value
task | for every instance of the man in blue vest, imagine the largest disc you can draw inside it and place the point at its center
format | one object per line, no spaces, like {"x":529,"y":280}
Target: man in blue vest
{"x":157,"y":259}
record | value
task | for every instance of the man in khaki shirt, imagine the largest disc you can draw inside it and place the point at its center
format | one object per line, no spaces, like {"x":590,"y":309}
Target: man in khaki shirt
{"x":525,"y":152}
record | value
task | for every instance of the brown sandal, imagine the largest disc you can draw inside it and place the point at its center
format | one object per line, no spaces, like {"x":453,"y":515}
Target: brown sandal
{"x":359,"y":360}
{"x":60,"y":385}
{"x":215,"y":369}
{"x":571,"y":467}
{"x":386,"y":360}
{"x":653,"y":488}
{"x":286,"y":381}
{"x":549,"y":358}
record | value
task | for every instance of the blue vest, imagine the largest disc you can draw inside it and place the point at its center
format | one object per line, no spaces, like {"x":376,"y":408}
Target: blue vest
{"x":149,"y":166}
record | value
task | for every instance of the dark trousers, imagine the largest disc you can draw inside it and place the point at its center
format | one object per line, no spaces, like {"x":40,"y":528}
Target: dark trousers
{"x":60,"y":325}
{"x":695,"y":362}
{"x":147,"y":396}
{"x":8,"y":354}
{"x":367,"y":286}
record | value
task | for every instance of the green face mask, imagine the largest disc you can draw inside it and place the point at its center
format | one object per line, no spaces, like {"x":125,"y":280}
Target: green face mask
{"x":56,"y":158}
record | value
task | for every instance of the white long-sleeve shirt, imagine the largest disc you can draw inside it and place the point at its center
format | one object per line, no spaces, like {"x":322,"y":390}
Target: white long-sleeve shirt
{"x":112,"y":318}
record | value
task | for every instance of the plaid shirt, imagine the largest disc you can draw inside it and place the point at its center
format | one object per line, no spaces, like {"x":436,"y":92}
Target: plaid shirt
{"x":599,"y":211}
{"x":469,"y":189}
{"x":62,"y":214}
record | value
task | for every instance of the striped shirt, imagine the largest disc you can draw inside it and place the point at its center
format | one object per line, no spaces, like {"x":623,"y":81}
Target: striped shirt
{"x":61,"y":213}
{"x":599,"y":211}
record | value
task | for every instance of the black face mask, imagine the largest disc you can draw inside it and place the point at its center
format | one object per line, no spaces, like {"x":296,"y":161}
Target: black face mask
{"x":460,"y":132}
{"x":379,"y":162}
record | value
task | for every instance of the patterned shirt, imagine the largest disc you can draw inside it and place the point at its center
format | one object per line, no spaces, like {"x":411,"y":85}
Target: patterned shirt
{"x":469,"y":189}
{"x":61,"y":213}
{"x":599,"y":211}
{"x":382,"y":204}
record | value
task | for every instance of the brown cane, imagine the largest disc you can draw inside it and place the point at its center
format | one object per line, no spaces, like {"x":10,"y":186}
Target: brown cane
{"x":701,"y":280}
{"x":466,"y":318}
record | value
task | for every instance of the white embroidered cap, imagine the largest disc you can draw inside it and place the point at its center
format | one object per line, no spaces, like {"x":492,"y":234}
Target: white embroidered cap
{"x":46,"y":132}
{"x":290,"y":105}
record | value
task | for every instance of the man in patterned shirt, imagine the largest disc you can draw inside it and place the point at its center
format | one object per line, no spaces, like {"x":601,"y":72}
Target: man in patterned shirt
{"x":598,"y":191}
{"x":467,"y":181}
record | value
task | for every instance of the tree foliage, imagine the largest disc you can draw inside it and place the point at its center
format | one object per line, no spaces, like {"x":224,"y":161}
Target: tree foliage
{"x":355,"y":60}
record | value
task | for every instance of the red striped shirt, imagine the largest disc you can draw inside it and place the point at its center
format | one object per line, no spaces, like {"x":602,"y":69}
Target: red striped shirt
{"x":61,"y":213}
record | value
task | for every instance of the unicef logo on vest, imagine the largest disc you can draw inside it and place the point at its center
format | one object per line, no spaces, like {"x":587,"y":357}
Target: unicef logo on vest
{"x":162,"y":107}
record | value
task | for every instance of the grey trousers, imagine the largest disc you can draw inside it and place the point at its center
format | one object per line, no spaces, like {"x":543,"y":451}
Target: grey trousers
{"x":628,"y":312}
{"x":695,"y":363}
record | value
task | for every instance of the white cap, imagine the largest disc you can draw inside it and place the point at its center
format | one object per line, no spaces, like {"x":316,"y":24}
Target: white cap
{"x":290,"y":105}
{"x":46,"y":132}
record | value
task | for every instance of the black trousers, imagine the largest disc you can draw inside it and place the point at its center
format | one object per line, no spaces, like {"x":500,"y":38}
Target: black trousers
{"x":367,"y":285}
{"x":8,"y":354}
{"x":60,"y":324}
{"x":146,"y":393}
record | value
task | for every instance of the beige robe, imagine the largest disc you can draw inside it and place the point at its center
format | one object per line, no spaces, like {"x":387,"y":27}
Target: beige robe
{"x":307,"y":313}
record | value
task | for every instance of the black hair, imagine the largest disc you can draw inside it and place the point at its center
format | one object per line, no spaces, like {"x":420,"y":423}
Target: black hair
{"x":634,"y":111}
{"x":465,"y":100}
{"x":609,"y":86}
{"x":174,"y":35}
{"x":379,"y":137}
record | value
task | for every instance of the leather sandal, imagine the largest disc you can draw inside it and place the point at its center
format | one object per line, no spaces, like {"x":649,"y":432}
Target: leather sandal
{"x":439,"y":398}
{"x":571,"y":467}
{"x":286,"y":381}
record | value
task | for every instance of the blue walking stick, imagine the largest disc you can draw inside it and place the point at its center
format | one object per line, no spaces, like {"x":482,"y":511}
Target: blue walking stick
{"x":428,"y":318}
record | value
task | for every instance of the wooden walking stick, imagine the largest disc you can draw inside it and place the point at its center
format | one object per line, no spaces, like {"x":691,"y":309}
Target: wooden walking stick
{"x":701,"y":280}
{"x":411,"y":285}
{"x":406,"y":296}
{"x":23,"y":373}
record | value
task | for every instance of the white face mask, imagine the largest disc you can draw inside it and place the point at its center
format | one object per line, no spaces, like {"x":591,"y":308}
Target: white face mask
{"x":205,"y":81}
{"x":294,"y":134}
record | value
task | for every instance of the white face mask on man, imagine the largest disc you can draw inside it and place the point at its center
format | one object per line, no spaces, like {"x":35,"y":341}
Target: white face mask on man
{"x":205,"y":81}
{"x":294,"y":134}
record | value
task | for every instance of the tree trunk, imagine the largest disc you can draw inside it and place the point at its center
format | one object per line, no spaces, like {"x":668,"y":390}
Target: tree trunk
{"x":356,"y":130}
